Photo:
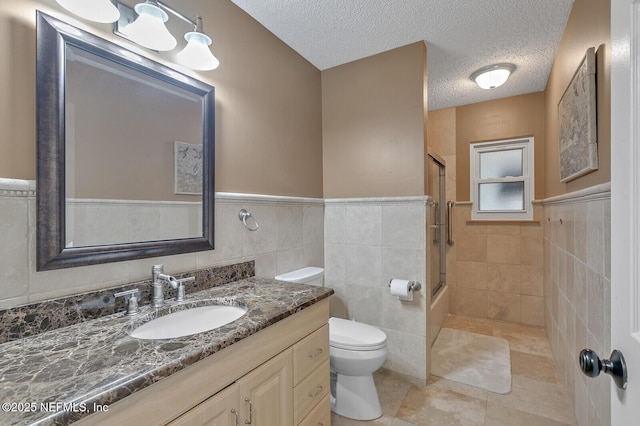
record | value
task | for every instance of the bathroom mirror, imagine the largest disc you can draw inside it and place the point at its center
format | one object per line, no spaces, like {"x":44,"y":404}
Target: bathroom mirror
{"x":125,"y":153}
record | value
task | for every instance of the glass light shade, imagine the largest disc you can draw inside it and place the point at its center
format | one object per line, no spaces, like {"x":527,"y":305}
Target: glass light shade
{"x":148,"y":30}
{"x":196,"y":55}
{"x":492,"y":76}
{"x":94,"y":10}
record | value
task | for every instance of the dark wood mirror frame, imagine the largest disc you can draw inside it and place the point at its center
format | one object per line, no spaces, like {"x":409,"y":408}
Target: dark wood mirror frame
{"x":53,"y":36}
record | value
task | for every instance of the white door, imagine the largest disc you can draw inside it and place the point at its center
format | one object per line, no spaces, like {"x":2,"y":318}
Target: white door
{"x":625,"y":205}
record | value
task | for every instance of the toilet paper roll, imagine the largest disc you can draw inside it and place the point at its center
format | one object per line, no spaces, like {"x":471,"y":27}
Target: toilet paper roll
{"x":400,"y":288}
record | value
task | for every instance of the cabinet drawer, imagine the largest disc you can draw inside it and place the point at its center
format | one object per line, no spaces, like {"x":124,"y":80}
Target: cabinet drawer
{"x":310,"y":353}
{"x":319,"y":416}
{"x":311,"y":391}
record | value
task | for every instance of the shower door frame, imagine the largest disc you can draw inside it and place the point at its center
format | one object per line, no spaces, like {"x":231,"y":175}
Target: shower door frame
{"x":441,"y":220}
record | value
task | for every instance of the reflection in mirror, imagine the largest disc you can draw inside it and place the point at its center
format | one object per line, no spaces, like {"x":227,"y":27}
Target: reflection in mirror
{"x":125,"y":153}
{"x":133,"y":155}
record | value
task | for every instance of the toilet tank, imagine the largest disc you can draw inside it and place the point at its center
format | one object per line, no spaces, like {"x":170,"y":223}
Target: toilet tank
{"x":310,"y":275}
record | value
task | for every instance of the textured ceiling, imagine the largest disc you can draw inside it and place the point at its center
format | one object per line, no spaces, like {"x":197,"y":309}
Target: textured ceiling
{"x":461,"y":36}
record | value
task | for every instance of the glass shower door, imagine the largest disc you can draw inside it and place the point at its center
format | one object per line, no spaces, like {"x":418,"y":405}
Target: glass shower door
{"x":437,"y":222}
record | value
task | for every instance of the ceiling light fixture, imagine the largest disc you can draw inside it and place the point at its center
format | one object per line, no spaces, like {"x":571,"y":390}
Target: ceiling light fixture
{"x":94,"y":10}
{"x":492,"y":76}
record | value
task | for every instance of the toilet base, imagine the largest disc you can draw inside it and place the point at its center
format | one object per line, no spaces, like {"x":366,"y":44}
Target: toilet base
{"x":356,"y":398}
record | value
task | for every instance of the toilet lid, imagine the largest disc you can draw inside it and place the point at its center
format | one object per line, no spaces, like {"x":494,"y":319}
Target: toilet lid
{"x":353,"y":335}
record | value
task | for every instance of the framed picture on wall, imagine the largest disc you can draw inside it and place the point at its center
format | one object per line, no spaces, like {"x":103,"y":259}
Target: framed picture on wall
{"x":578,"y":135}
{"x":187,"y":169}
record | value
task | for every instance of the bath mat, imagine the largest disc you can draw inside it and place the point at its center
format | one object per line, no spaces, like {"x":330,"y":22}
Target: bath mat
{"x":472,"y":359}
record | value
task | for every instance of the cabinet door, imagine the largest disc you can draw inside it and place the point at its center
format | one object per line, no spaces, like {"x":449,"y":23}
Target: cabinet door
{"x":219,"y":410}
{"x":267,"y":393}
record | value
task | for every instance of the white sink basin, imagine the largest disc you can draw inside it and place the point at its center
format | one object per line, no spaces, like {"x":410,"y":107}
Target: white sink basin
{"x":188,"y":322}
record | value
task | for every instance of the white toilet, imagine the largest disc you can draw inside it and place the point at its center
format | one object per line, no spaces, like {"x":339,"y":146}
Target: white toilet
{"x":356,"y":350}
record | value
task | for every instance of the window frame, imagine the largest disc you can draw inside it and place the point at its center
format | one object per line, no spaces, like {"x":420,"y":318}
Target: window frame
{"x":528,"y":174}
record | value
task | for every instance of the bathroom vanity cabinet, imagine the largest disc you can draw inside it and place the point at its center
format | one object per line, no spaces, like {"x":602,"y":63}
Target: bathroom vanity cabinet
{"x":277,"y":376}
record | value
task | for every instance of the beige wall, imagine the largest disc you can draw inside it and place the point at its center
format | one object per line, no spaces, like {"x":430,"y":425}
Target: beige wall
{"x":588,"y":26}
{"x":373,"y":123}
{"x":268,"y":99}
{"x":506,"y":118}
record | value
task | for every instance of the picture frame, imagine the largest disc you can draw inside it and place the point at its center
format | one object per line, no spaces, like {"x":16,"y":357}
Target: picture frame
{"x":187,"y":168}
{"x":577,"y":122}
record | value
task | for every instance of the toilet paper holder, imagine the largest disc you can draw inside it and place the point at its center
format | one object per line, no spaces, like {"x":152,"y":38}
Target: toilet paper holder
{"x":413,"y":285}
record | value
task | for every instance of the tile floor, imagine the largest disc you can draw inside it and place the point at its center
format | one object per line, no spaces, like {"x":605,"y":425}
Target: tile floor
{"x":537,"y":397}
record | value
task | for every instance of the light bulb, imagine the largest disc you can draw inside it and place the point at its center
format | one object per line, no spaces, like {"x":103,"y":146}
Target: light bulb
{"x":94,"y":10}
{"x":148,"y":30}
{"x":196,"y":55}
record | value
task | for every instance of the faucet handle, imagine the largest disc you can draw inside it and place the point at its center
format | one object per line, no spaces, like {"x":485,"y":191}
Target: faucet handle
{"x":180,"y":289}
{"x":131,"y":299}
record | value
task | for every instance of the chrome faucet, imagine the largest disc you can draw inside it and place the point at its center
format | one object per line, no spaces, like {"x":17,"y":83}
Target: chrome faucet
{"x":159,"y":278}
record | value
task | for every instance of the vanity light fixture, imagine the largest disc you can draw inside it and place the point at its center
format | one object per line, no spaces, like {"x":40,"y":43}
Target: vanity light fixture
{"x":145,"y":26}
{"x":94,"y":10}
{"x":492,"y":76}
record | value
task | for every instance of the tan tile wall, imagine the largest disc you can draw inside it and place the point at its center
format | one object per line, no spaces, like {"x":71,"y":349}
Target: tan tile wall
{"x":498,"y":269}
{"x":577,"y":285}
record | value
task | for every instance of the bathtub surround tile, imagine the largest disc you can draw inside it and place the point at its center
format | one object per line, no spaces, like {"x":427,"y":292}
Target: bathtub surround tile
{"x":504,"y":278}
{"x":472,"y":247}
{"x":503,"y":249}
{"x":504,"y":306}
{"x":473,"y":275}
{"x":532,"y":310}
{"x":513,"y":256}
{"x":471,"y":302}
{"x":532,"y":280}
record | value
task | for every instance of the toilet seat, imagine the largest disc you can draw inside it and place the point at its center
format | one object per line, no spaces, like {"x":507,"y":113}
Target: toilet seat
{"x":355,"y":336}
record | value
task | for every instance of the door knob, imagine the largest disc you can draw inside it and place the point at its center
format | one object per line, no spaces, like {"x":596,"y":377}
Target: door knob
{"x":591,"y":365}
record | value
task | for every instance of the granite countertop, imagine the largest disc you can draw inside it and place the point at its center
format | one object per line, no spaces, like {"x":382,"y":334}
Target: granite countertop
{"x":56,"y":377}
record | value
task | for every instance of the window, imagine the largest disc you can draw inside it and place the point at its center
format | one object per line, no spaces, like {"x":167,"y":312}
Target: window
{"x":502,"y":180}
